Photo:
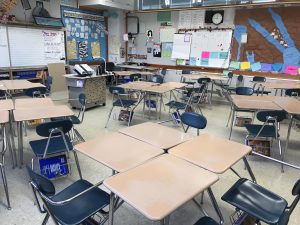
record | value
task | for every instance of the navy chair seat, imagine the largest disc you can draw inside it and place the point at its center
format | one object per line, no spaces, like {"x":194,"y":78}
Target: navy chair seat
{"x":269,"y":131}
{"x":177,"y":105}
{"x":56,"y":145}
{"x":206,"y":221}
{"x":126,"y":103}
{"x":80,"y":208}
{"x":256,"y":201}
{"x":74,"y":119}
{"x":264,"y":92}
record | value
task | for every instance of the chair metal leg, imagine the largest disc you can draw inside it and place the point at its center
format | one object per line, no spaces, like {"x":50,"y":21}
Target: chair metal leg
{"x":202,"y":197}
{"x":229,"y":117}
{"x":78,"y":135}
{"x":77,"y":163}
{"x":111,"y":209}
{"x":215,"y":205}
{"x":281,"y":154}
{"x":109,"y":114}
{"x":129,"y":119}
{"x":5,"y":186}
{"x":288,"y":134}
{"x":232,"y":120}
{"x":46,"y":219}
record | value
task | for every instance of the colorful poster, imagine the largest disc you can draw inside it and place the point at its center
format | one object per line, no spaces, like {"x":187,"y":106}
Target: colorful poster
{"x":292,"y":70}
{"x":256,"y":67}
{"x":193,"y":61}
{"x":266,"y":67}
{"x":180,"y":62}
{"x":157,"y":50}
{"x":214,"y":55}
{"x":95,"y":45}
{"x":204,"y":62}
{"x":223,"y":55}
{"x":245,"y":65}
{"x":53,"y":45}
{"x":72,"y":49}
{"x":167,"y":49}
{"x":277,"y":67}
{"x":234,"y":65}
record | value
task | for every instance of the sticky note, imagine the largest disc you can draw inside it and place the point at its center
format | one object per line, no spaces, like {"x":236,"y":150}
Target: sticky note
{"x":256,"y":66}
{"x":214,"y":55}
{"x":204,"y":62}
{"x":245,"y":65}
{"x":266,"y":67}
{"x":205,"y":55}
{"x":193,"y":61}
{"x":234,"y":65}
{"x":277,"y":67}
{"x":298,"y":70}
{"x":223,"y":55}
{"x":291,"y":70}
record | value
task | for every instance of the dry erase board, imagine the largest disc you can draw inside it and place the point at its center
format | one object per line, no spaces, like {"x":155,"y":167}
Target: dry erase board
{"x":211,"y":48}
{"x":31,"y":46}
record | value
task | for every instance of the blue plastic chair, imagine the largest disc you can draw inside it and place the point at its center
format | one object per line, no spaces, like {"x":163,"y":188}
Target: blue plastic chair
{"x":206,"y":221}
{"x":269,"y":129}
{"x":260,"y":203}
{"x":74,"y":205}
{"x":56,"y":141}
{"x":192,"y":119}
{"x":157,"y":79}
{"x":118,"y":101}
{"x":295,"y":92}
{"x":244,"y":91}
{"x":37,"y":92}
{"x":260,"y":90}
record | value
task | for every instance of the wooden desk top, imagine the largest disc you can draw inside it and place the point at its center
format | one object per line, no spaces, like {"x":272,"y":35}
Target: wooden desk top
{"x":118,"y":151}
{"x":4,"y":116}
{"x":136,"y":85}
{"x":18,"y":84}
{"x":174,"y":85}
{"x":254,"y":97}
{"x":289,"y":104}
{"x":159,"y":186}
{"x":128,"y":73}
{"x":42,"y":113}
{"x":210,"y":152}
{"x":157,"y":135}
{"x":33,"y":103}
{"x":6,"y":104}
{"x":281,"y":85}
{"x":212,"y":76}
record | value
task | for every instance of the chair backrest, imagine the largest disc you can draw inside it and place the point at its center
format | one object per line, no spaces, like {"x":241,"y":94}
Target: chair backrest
{"x":244,"y":91}
{"x":43,"y":184}
{"x":258,"y":79}
{"x":204,"y":80}
{"x":135,"y":76}
{"x":193,"y":119}
{"x":116,"y":90}
{"x":48,"y":83}
{"x":185,"y":72}
{"x":263,"y":116}
{"x":110,"y":66}
{"x":292,"y":92}
{"x":2,"y":94}
{"x":230,"y":75}
{"x":35,"y":92}
{"x":82,"y":101}
{"x":163,"y":72}
{"x":157,"y":79}
{"x":45,"y":129}
{"x":240,"y":78}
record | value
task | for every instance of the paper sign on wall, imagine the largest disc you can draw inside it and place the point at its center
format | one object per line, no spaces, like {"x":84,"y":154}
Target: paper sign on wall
{"x":166,"y":34}
{"x":256,"y":67}
{"x":95,"y":45}
{"x":292,"y":70}
{"x":72,"y":49}
{"x":245,"y":65}
{"x":266,"y":67}
{"x":234,"y":65}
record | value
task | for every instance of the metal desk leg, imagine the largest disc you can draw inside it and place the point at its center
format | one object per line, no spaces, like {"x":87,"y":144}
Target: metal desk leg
{"x":215,"y":205}
{"x":156,"y":100}
{"x":249,"y":169}
{"x":288,"y":135}
{"x":212,"y":89}
{"x":232,"y":120}
{"x":160,"y":105}
{"x":111,"y":209}
{"x":165,"y":221}
{"x":20,"y":142}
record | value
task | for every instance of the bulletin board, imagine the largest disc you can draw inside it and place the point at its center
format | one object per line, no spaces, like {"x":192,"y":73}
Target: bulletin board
{"x":85,"y":35}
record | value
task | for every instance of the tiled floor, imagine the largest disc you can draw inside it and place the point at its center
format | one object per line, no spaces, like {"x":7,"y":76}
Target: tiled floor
{"x":268,"y":174}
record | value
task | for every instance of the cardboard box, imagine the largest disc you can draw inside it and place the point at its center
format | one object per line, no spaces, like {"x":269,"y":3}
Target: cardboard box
{"x":240,"y":121}
{"x":260,"y":146}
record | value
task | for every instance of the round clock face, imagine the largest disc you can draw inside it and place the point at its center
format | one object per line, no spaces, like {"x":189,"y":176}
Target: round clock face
{"x":217,"y":18}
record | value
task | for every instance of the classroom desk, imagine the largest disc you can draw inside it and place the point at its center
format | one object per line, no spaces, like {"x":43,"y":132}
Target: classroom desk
{"x":280,"y":85}
{"x":6,"y":104}
{"x":160,"y":186}
{"x":10,"y":85}
{"x":128,"y":73}
{"x":240,"y":103}
{"x":136,"y":67}
{"x":25,"y":114}
{"x":33,"y":103}
{"x":292,"y":107}
{"x":4,"y":116}
{"x":213,"y":153}
{"x":118,"y":151}
{"x":157,"y":135}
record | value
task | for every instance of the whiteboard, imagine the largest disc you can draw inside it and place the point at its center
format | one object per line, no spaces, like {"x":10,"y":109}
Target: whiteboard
{"x":181,"y":46}
{"x":211,"y":48}
{"x":30,"y":47}
{"x":4,"y":59}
